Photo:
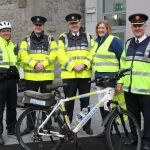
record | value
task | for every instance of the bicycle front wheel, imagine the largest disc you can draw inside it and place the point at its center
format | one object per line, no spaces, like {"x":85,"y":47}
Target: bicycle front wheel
{"x":121,"y":128}
{"x":32,"y":140}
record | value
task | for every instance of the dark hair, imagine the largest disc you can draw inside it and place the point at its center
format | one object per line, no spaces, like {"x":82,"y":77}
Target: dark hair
{"x":107,"y":25}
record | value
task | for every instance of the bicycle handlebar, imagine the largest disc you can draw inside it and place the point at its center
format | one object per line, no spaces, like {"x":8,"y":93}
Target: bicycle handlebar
{"x":116,"y":77}
{"x":125,"y":70}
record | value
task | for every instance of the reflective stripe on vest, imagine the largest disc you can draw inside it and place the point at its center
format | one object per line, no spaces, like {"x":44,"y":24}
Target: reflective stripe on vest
{"x":139,"y":58}
{"x":103,"y":58}
{"x":5,"y":63}
{"x":137,"y":90}
{"x":105,"y":64}
{"x":77,"y":47}
{"x":39,"y":51}
{"x":1,"y":54}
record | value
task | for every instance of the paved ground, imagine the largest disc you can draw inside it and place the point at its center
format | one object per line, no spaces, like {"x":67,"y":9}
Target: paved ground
{"x":95,"y":123}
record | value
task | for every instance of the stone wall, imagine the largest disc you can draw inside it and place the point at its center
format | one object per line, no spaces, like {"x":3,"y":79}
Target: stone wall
{"x":19,"y":12}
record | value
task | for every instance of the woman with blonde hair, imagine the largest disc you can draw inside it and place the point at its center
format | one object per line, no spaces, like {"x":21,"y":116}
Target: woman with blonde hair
{"x":106,"y":60}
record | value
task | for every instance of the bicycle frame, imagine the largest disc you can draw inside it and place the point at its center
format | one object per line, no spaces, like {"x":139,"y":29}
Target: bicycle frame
{"x":86,"y":118}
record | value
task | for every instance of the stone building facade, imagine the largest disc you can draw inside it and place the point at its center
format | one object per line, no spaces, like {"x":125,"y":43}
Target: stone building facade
{"x":19,"y":12}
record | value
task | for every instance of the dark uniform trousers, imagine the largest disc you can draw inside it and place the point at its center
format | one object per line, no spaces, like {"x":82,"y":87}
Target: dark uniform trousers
{"x":34,"y":86}
{"x":8,"y":96}
{"x":83,"y":87}
{"x":137,"y":103}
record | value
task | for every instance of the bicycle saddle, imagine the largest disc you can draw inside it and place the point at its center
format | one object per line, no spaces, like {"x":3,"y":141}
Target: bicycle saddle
{"x":38,"y":95}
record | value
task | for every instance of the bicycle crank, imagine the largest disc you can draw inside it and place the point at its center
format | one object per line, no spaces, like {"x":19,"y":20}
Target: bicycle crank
{"x":70,"y":137}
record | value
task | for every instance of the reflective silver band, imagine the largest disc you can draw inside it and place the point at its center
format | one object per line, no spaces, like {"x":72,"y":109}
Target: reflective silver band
{"x":78,"y":57}
{"x":139,"y":90}
{"x":34,"y":71}
{"x":67,"y":63}
{"x":8,"y":63}
{"x":48,"y":60}
{"x":77,"y":47}
{"x":29,"y":61}
{"x":105,"y":64}
{"x":140,"y":58}
{"x":141,"y":73}
{"x":40,"y":51}
{"x":28,"y":42}
{"x":122,"y":103}
{"x":59,"y":47}
{"x":123,"y":58}
{"x":67,"y":70}
{"x":104,"y":56}
{"x":23,"y":49}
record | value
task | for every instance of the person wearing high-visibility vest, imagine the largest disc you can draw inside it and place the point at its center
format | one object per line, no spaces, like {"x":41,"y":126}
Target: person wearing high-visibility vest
{"x":38,"y":51}
{"x":136,"y":84}
{"x":106,"y":60}
{"x":9,"y":76}
{"x":75,"y":56}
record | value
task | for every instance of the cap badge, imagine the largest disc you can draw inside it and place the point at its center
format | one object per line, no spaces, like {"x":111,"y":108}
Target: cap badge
{"x":72,"y":17}
{"x":38,"y":19}
{"x":137,"y":17}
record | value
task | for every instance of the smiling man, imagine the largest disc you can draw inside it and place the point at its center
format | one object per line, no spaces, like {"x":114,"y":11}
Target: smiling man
{"x":38,"y":52}
{"x":136,"y":85}
{"x":9,"y":76}
{"x":75,"y":56}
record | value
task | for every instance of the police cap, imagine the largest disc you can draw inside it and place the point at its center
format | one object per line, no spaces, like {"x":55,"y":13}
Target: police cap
{"x":138,"y":18}
{"x":38,"y":20}
{"x":74,"y":17}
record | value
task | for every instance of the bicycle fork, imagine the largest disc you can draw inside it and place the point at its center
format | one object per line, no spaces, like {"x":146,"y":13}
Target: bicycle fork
{"x":122,"y":121}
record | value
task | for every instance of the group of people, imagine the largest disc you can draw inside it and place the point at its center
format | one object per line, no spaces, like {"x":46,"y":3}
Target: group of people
{"x":78,"y":53}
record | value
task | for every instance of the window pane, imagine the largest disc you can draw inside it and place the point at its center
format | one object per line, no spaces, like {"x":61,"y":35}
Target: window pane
{"x":116,"y":20}
{"x":120,"y":35}
{"x":114,"y":5}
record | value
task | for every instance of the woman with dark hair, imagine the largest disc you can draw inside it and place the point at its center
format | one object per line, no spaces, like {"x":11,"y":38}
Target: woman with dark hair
{"x":106,"y":60}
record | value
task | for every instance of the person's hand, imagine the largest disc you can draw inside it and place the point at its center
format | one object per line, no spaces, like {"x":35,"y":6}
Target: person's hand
{"x":79,"y":67}
{"x":39,"y":67}
{"x":119,"y":87}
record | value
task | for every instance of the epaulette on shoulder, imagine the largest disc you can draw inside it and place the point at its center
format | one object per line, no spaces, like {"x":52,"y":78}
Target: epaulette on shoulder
{"x":25,"y":38}
{"x":129,"y":40}
{"x":87,"y":32}
{"x":63,"y":34}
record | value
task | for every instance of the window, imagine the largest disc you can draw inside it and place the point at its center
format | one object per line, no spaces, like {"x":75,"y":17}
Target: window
{"x":115,"y":12}
{"x":114,"y":5}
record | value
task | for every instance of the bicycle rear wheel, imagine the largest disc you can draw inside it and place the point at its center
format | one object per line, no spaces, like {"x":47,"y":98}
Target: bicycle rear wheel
{"x":33,"y":141}
{"x":121,"y":128}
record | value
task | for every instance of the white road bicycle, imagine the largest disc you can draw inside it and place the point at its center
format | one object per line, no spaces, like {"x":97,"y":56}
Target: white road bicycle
{"x":120,"y":124}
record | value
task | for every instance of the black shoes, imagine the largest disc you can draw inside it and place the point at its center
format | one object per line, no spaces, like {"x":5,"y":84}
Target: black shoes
{"x":88,"y":131}
{"x":1,"y":140}
{"x":131,"y":141}
{"x":11,"y":132}
{"x":27,"y":131}
{"x":101,"y":135}
{"x":145,"y":147}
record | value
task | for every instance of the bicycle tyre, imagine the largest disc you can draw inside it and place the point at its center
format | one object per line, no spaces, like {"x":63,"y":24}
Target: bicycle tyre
{"x":116,"y":136}
{"x":27,"y":142}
